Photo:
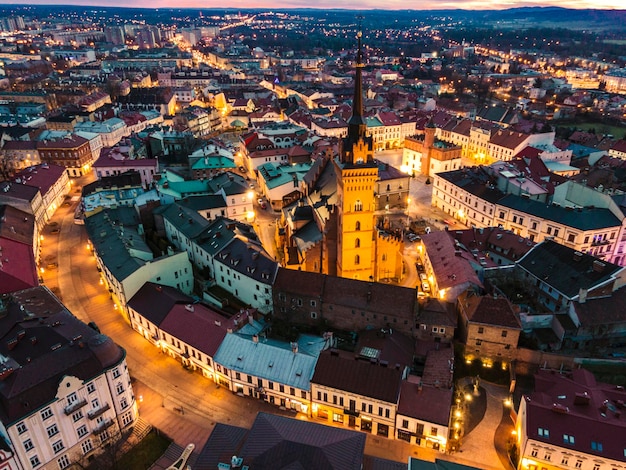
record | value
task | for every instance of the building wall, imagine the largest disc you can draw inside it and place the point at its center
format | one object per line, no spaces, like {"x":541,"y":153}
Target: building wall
{"x":83,"y":417}
{"x":490,"y":342}
{"x":421,"y":433}
{"x":354,"y":411}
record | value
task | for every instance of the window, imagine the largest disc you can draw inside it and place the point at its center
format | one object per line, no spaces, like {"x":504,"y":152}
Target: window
{"x":357,"y":243}
{"x":116,"y":373}
{"x":72,"y":398}
{"x":504,"y":333}
{"x":571,"y":238}
{"x":63,"y":462}
{"x":404,"y":436}
{"x":337,"y":418}
{"x":314,"y":315}
{"x":380,"y":411}
{"x":76,"y":416}
{"x":481,"y":330}
{"x":544,"y":432}
{"x":281,"y":388}
{"x":86,"y":446}
{"x":433,"y":431}
{"x":533,"y":453}
{"x":547,"y":457}
{"x":357,"y":226}
{"x":383,"y":430}
{"x":357,"y":259}
{"x":478,"y":342}
{"x":45,"y":414}
{"x":313,"y":303}
{"x":34,"y":461}
{"x":578,"y":464}
{"x":405,"y":423}
{"x":21,"y":428}
{"x":28,"y":445}
{"x":598,"y":446}
{"x":52,"y":430}
{"x":91,"y":387}
{"x":568,"y":439}
{"x":358,"y":205}
{"x":292,"y":391}
{"x":58,"y":447}
{"x":123,"y":403}
{"x":564,"y":460}
{"x":119,"y":388}
{"x":82,"y":431}
{"x":386,"y":412}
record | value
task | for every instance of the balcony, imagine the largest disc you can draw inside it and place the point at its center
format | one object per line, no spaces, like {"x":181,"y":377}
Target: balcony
{"x":103,"y":426}
{"x":71,"y":408}
{"x":93,"y":414}
{"x":600,"y":242}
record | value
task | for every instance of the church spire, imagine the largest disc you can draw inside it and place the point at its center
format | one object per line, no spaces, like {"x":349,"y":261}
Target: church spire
{"x":356,"y":125}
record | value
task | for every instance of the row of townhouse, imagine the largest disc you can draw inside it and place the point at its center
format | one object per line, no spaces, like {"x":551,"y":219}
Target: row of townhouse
{"x":596,"y":226}
{"x":238,"y":195}
{"x":229,"y":251}
{"x":308,"y":376}
{"x":64,"y":402}
{"x":485,"y":142}
{"x":124,"y":259}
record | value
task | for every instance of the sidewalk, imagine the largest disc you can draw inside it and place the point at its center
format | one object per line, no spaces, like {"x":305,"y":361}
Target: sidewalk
{"x":479,"y":444}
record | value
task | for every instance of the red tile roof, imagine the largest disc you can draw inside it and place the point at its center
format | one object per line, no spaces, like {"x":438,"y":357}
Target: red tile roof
{"x":196,"y":325}
{"x":576,"y":405}
{"x":425,"y":403}
{"x":42,"y":176}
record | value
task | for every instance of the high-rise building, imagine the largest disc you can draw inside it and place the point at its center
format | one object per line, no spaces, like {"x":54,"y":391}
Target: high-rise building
{"x":115,"y":34}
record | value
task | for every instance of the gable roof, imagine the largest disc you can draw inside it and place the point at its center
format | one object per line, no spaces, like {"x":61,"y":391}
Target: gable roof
{"x":567,"y":270}
{"x":366,"y":378}
{"x":154,"y":301}
{"x":273,"y":360}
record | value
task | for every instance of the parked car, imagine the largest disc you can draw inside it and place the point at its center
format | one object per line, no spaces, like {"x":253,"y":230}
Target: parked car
{"x":419,"y":266}
{"x":423,"y":277}
{"x":425,"y":286}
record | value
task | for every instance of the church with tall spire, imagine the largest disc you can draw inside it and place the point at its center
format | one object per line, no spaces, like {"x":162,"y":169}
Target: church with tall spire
{"x":364,"y":251}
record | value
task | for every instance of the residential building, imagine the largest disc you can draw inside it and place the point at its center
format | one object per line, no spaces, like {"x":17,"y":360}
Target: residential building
{"x":25,"y":198}
{"x":560,"y":275}
{"x":19,"y":154}
{"x":111,"y":130}
{"x":269,"y":370}
{"x":489,"y":327}
{"x":571,"y":421}
{"x":358,"y":393}
{"x":73,"y":152}
{"x":53,"y":183}
{"x":112,"y":162}
{"x":19,"y":250}
{"x":65,"y":402}
{"x":124,"y":259}
{"x":448,"y":269}
{"x":423,"y":416}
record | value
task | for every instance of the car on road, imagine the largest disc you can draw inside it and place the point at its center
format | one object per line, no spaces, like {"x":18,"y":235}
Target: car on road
{"x":413,"y":237}
{"x":419,"y":266}
{"x":425,"y":286}
{"x":423,"y":277}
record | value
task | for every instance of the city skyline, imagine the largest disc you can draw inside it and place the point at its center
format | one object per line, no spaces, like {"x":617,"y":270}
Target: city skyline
{"x":347,"y":5}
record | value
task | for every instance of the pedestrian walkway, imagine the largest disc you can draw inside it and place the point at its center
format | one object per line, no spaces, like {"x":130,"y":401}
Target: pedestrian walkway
{"x":479,"y":444}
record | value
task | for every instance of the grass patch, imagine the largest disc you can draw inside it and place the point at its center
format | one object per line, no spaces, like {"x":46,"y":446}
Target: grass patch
{"x":600,"y":128}
{"x":144,"y":454}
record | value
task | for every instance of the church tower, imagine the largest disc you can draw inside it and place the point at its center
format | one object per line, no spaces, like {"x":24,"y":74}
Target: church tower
{"x":356,"y":173}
